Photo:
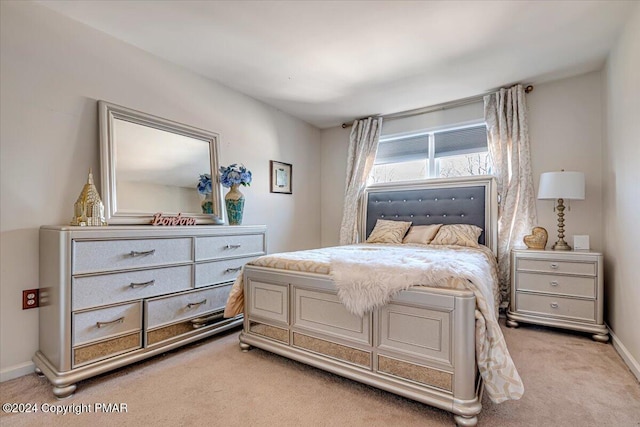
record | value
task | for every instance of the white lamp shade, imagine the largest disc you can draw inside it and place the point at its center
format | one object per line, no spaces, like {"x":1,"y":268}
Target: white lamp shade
{"x":561,"y":185}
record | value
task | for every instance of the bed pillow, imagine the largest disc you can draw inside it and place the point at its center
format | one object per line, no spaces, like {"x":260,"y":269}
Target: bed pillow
{"x":388,"y":231}
{"x":458,"y":234}
{"x":421,"y":234}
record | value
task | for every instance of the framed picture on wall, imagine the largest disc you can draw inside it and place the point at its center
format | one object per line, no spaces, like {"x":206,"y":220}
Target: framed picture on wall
{"x":281,"y":175}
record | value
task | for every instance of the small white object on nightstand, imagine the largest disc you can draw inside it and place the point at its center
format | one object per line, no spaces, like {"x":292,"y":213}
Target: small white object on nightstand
{"x":581,"y":243}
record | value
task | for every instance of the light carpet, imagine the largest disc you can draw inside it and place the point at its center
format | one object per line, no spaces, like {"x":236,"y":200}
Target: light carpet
{"x":569,"y":380}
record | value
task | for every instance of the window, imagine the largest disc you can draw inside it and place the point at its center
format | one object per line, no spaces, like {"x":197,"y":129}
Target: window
{"x":460,"y":151}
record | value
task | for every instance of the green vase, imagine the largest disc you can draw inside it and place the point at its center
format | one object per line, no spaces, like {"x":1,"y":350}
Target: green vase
{"x":234,"y":200}
{"x":207,"y":203}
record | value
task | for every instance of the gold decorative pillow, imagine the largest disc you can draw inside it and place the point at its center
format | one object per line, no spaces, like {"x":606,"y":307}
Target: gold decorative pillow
{"x":458,"y":234}
{"x":388,"y":231}
{"x":421,"y":234}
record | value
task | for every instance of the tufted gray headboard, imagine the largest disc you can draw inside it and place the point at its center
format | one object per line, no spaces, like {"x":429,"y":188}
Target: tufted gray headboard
{"x":469,"y":200}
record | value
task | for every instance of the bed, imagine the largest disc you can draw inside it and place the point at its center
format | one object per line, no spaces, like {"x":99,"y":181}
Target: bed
{"x":433,"y":337}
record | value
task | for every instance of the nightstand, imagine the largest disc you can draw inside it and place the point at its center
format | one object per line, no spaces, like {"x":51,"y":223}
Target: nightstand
{"x":562,"y":289}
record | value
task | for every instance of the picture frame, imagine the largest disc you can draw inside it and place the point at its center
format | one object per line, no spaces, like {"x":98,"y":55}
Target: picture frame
{"x":281,"y":177}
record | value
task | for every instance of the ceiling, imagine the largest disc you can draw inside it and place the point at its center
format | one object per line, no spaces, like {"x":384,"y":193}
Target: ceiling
{"x":328,"y":62}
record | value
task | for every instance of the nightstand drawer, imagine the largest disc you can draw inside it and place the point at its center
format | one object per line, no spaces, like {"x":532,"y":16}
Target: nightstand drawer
{"x":578,"y":309}
{"x":557,"y":284}
{"x":554,"y":266}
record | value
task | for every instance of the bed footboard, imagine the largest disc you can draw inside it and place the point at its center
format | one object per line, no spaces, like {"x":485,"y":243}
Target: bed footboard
{"x":421,"y":345}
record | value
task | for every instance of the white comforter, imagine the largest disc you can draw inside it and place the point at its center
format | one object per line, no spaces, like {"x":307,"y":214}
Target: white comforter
{"x":368,"y":275}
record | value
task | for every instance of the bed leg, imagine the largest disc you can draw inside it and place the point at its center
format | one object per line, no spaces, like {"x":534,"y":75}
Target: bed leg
{"x":600,"y":337}
{"x":245,"y":347}
{"x":512,"y":323}
{"x":462,"y":421}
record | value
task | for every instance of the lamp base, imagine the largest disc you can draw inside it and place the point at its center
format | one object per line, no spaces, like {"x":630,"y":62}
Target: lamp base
{"x":561,"y":245}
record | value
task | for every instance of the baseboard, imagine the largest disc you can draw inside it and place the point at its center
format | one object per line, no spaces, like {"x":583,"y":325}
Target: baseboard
{"x":16,"y":371}
{"x":628,"y":359}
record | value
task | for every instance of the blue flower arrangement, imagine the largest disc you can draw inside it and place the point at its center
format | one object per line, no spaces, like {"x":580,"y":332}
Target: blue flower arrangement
{"x":235,"y":174}
{"x":204,"y":184}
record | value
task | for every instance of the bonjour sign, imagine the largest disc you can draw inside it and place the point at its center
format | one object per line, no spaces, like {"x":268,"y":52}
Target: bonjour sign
{"x":159,"y":219}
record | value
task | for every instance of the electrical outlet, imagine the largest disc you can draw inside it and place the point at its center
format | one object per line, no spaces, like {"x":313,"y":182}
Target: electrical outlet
{"x":30,"y":298}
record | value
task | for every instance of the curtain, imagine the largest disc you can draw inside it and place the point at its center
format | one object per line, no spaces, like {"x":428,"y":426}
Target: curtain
{"x":363,"y":145}
{"x":508,"y":137}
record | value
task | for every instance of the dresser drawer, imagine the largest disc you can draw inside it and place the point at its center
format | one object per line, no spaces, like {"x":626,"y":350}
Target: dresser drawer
{"x":210,"y":273}
{"x":553,"y":266}
{"x":229,"y":246}
{"x":164,"y":310}
{"x":577,"y":309}
{"x":557,"y":284}
{"x":95,"y":256}
{"x":99,"y":324}
{"x":103,"y":289}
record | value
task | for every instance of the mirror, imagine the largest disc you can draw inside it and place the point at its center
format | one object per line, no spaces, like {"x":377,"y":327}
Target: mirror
{"x":152,"y":165}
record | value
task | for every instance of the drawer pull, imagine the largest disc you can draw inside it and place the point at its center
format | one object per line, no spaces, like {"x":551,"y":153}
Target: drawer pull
{"x":232,"y":246}
{"x":101,"y":324}
{"x":553,"y":283}
{"x":143,"y":253}
{"x":554,"y":266}
{"x":233,"y":269}
{"x":142,"y":284}
{"x":196,"y":304}
{"x":554,"y":305}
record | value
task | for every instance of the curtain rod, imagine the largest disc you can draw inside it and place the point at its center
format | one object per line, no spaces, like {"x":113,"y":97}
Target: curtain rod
{"x":438,"y":107}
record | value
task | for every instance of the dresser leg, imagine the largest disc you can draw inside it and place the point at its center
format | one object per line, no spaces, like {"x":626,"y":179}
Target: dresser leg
{"x":39,"y":372}
{"x":512,"y":323}
{"x":600,"y":337}
{"x":64,"y":392}
{"x":245,"y":347}
{"x":465,"y":421}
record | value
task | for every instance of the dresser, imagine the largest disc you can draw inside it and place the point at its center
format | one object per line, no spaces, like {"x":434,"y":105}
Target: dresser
{"x":562,"y":289}
{"x":111,"y":296}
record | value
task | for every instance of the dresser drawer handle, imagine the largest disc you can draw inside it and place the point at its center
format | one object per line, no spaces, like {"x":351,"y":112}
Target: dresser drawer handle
{"x":554,"y":305}
{"x":232,"y":246}
{"x":233,"y":270}
{"x":143,"y":253}
{"x":553,"y":266}
{"x":553,"y":283}
{"x":101,"y":324}
{"x":142,"y":284}
{"x":196,"y":304}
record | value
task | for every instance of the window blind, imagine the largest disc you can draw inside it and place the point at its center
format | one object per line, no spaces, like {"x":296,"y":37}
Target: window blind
{"x":461,"y":141}
{"x":403,"y":149}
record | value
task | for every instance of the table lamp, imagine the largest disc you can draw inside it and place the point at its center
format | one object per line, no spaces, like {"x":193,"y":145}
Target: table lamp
{"x":561,"y":186}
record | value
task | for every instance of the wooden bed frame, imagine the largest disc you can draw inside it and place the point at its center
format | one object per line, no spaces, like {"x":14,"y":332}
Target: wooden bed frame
{"x":421,"y":345}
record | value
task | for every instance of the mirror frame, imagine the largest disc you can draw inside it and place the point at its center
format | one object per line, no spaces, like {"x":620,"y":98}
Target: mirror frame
{"x":107,"y":114}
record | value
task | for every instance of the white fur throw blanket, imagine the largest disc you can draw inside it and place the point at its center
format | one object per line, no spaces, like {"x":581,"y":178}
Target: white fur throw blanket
{"x":369,"y":275}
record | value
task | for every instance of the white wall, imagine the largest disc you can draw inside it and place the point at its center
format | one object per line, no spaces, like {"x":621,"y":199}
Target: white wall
{"x":565,"y":130}
{"x":334,"y":152}
{"x":621,"y":163}
{"x":53,"y":72}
